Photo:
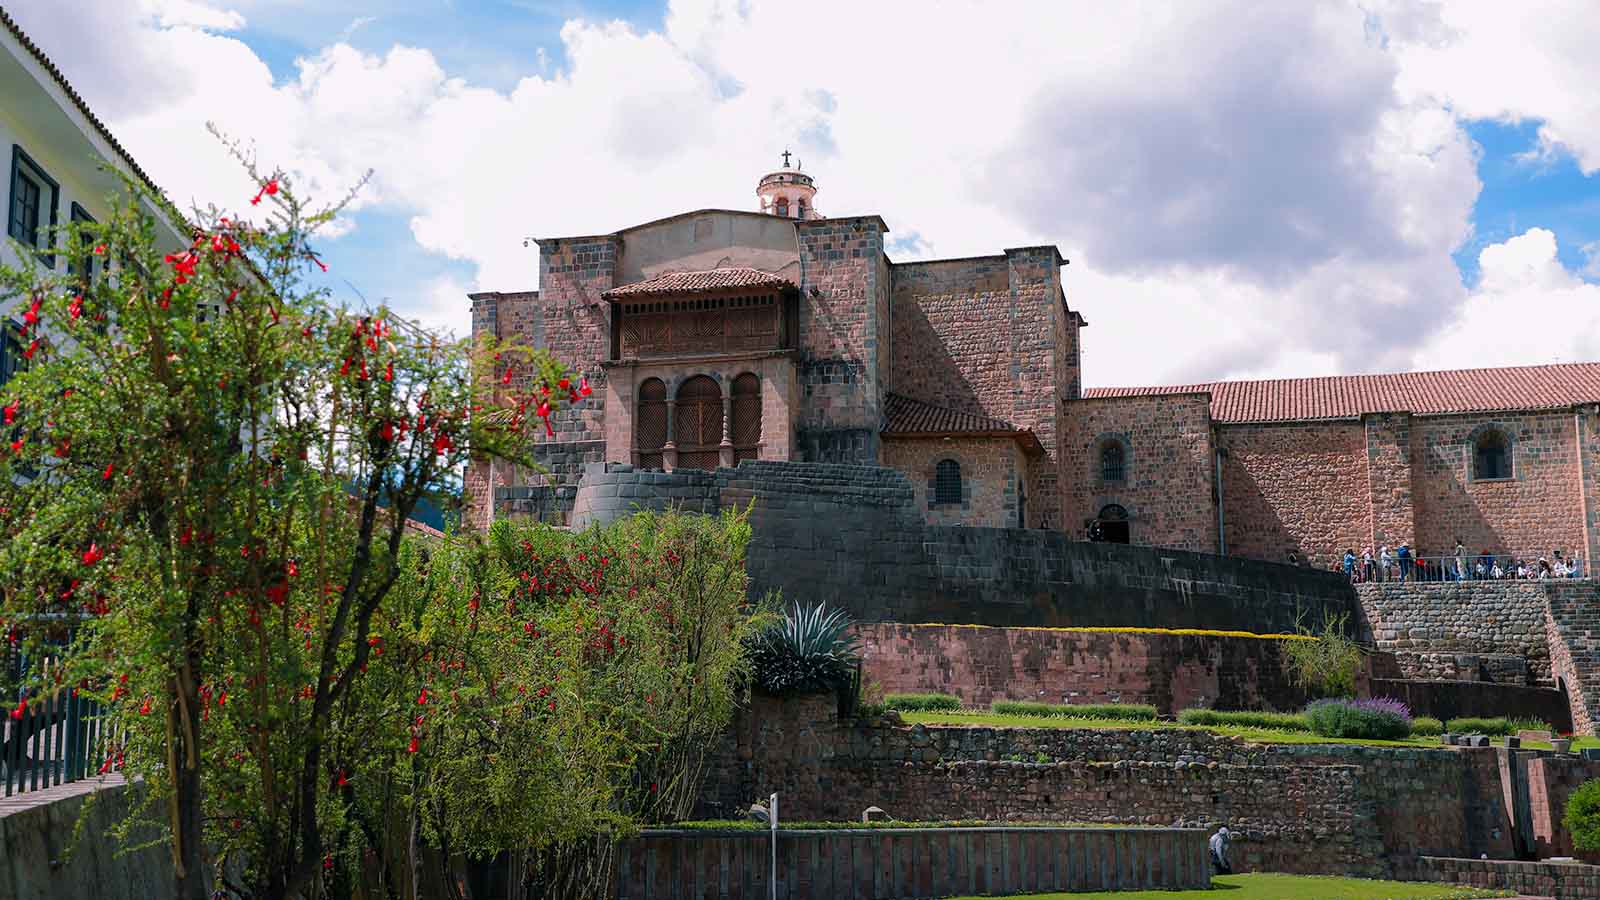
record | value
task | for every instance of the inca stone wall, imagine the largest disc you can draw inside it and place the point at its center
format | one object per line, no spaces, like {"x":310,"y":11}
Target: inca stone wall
{"x":1562,"y":881}
{"x":1456,"y":629}
{"x":852,"y":536}
{"x":1169,"y":671}
{"x":1295,"y":486}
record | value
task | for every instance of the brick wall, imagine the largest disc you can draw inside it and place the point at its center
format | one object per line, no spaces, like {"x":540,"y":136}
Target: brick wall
{"x":906,"y":863}
{"x":1538,"y":510}
{"x":1446,"y":700}
{"x":1551,"y":782}
{"x":852,"y":536}
{"x":1586,"y":425}
{"x":1562,"y":881}
{"x":1171,"y":672}
{"x":993,"y":471}
{"x":1389,"y":483}
{"x":1295,"y":486}
{"x":1169,"y":469}
{"x":840,"y":333}
{"x":1314,"y":809}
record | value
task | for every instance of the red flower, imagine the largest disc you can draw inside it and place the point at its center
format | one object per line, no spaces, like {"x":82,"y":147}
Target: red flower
{"x":183,"y":265}
{"x":412,"y":747}
{"x":106,"y":475}
{"x":64,"y":448}
{"x":564,"y":384}
{"x":271,"y":187}
{"x":11,"y":413}
{"x":32,"y":348}
{"x":22,"y":707}
{"x":422,"y":698}
{"x":31,"y":317}
{"x":345,"y":369}
{"x":75,"y":308}
{"x":441,"y":444}
{"x":144,"y":709}
{"x":342,"y":780}
{"x":93,"y":555}
{"x":388,"y":431}
{"x":388,"y":372}
{"x":583,"y":387}
{"x":100,"y":250}
{"x":293,"y":569}
{"x":222,"y":699}
{"x":506,"y":378}
{"x":327,"y":863}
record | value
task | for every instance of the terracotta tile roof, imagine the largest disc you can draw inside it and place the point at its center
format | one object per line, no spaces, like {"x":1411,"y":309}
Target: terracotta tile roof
{"x":1421,"y":393}
{"x":689,"y":282}
{"x":66,"y":88}
{"x":905,"y":417}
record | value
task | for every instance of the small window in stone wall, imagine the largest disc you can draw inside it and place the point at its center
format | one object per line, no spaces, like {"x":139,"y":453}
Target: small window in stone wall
{"x":1113,"y":462}
{"x":1491,"y":456}
{"x":947,"y":482}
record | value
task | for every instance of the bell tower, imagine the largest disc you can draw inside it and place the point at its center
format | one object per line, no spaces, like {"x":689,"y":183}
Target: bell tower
{"x":788,"y":192}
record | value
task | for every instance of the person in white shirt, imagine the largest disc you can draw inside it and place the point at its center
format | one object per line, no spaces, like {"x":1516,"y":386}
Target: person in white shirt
{"x":1383,"y":562}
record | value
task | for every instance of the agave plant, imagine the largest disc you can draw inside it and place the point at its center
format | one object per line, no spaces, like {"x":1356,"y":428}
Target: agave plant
{"x":811,"y":649}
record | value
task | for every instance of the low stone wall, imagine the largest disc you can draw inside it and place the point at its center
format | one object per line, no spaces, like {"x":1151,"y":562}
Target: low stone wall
{"x":1434,"y":628}
{"x":42,"y":859}
{"x":1563,"y":881}
{"x":906,"y":863}
{"x":1332,"y":809}
{"x":1454,"y":699}
{"x":1171,"y":672}
{"x":851,"y":536}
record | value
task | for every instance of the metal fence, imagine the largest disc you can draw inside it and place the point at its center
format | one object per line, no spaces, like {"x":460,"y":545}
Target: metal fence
{"x":51,"y":737}
{"x":1471,"y":567}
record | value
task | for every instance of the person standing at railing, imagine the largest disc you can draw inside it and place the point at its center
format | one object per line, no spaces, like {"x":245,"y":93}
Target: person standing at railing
{"x":1383,"y":562}
{"x":1350,"y":564}
{"x":1402,"y":554}
{"x":1461,"y":561}
{"x":1366,"y":564}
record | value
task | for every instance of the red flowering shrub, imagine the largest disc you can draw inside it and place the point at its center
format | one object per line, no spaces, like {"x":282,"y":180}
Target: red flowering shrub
{"x":210,"y":466}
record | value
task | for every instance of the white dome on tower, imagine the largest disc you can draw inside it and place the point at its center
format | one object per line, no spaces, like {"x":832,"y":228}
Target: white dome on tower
{"x":788,"y":192}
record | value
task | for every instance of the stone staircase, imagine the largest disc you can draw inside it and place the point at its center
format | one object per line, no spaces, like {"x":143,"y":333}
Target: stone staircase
{"x":1573,"y":628}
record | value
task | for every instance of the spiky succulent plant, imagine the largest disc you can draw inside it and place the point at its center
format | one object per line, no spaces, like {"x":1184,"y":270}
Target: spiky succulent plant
{"x":810,"y":649}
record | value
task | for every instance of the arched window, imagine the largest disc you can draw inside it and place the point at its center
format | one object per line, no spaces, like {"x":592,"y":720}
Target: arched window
{"x":650,"y":426}
{"x":783,"y":207}
{"x":800,"y":208}
{"x":746,"y":412}
{"x":697,"y":424}
{"x":1491,"y":455}
{"x":1113,"y":462}
{"x":947,"y":482}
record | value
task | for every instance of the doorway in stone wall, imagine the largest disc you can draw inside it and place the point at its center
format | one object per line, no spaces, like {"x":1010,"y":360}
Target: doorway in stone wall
{"x":1112,"y":525}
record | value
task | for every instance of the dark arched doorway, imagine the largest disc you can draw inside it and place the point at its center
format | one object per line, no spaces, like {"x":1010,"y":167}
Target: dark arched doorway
{"x":1111,"y":526}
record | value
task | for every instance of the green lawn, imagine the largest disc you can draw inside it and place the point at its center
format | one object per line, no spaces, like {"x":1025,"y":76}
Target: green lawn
{"x":1291,"y":887}
{"x":1260,"y":735}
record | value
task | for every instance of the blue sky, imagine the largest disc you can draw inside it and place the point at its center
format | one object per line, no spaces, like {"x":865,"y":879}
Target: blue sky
{"x":1232,"y":208}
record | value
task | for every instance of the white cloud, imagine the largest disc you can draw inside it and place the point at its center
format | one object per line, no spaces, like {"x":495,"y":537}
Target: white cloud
{"x":1526,"y":309}
{"x":1243,"y":188}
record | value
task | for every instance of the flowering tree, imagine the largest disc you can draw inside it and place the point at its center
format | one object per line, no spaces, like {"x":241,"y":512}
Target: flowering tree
{"x":210,"y":467}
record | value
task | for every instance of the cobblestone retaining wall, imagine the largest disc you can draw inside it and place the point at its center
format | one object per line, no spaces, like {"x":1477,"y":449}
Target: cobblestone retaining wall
{"x":36,"y":862}
{"x":852,"y":536}
{"x":905,"y":863}
{"x":1301,"y":808}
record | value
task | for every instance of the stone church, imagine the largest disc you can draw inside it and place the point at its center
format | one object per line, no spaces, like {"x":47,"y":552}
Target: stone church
{"x":781,"y":333}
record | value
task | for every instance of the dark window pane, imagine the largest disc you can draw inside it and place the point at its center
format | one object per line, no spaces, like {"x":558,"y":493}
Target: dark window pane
{"x":947,"y":482}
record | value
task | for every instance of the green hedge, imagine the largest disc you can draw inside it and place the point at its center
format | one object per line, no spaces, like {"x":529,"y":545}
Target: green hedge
{"x":922,"y":702}
{"x":1496,"y":726}
{"x":1426,"y":726}
{"x":1245,"y":719}
{"x":1131,"y":712}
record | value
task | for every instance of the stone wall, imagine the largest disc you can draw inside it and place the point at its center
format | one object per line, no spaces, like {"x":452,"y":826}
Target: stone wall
{"x":1562,"y":881}
{"x":1171,"y":672}
{"x":1537,"y":510}
{"x":993,"y":478}
{"x":1431,"y":626}
{"x":1445,"y":700}
{"x":1299,"y":808}
{"x":906,"y":863}
{"x":42,"y":859}
{"x":840,"y":331}
{"x":1295,"y":486}
{"x":852,"y":536}
{"x":1169,"y":474}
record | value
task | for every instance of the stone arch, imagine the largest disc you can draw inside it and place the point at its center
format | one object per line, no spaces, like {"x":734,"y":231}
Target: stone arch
{"x":697,"y":423}
{"x":1113,"y":444}
{"x":1491,"y":453}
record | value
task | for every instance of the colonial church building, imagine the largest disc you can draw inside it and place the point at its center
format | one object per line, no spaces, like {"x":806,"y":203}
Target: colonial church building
{"x":717,"y":336}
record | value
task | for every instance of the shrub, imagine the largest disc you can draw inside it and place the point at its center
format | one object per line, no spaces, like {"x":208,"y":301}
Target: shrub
{"x":1426,"y":726}
{"x":1377,"y":719}
{"x":922,"y":702}
{"x":1131,"y":712}
{"x":1245,"y":719}
{"x":1583,"y":816}
{"x":1499,"y":725}
{"x":1326,"y":665}
{"x":811,"y":649}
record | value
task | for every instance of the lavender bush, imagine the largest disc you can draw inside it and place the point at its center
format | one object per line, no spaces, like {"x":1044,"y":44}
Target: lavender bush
{"x":1379,"y":718}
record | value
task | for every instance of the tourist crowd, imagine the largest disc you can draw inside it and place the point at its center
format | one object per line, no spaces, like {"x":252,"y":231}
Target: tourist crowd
{"x":1402,"y":564}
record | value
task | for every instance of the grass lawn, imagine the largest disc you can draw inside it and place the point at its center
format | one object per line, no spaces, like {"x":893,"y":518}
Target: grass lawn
{"x":1260,"y":735}
{"x":1266,"y":886}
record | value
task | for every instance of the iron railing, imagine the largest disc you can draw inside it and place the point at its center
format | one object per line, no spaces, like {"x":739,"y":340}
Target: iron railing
{"x":51,"y":737}
{"x":1471,"y":567}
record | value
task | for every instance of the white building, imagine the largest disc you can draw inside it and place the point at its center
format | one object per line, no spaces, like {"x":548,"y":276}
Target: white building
{"x":54,"y":152}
